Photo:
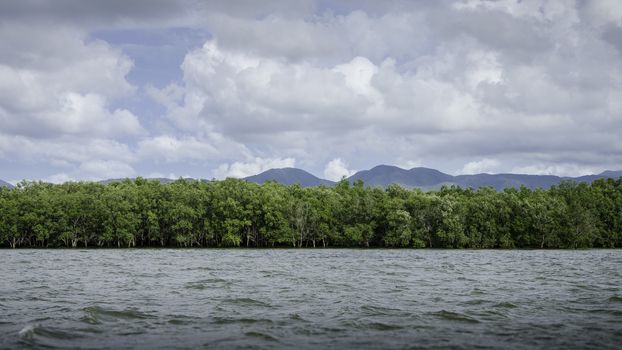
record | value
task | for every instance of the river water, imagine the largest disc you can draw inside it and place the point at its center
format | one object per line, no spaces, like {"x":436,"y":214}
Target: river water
{"x":334,"y":299}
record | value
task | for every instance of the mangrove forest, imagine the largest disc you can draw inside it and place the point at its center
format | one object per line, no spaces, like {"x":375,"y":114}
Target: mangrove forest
{"x":236,"y":213}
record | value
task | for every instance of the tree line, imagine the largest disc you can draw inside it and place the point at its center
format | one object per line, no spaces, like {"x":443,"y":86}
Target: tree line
{"x":233,"y":213}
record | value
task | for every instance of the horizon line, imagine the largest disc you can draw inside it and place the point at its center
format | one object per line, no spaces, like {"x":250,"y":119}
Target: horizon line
{"x":149,"y":177}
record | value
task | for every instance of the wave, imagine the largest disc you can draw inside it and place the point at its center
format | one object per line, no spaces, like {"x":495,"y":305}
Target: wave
{"x":455,"y":316}
{"x":31,"y":330}
{"x":246,"y":302}
{"x":96,"y":314}
{"x":260,"y":335}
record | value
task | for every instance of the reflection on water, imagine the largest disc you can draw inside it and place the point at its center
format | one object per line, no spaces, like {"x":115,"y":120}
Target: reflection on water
{"x":310,"y":299}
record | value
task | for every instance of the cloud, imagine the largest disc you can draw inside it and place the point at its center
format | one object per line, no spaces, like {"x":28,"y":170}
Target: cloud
{"x":449,"y":84}
{"x":57,"y":89}
{"x":249,"y":98}
{"x":337,"y":169}
{"x":106,"y":169}
{"x":139,"y":14}
{"x":253,"y":167}
{"x":322,"y":38}
{"x":94,"y":171}
{"x":408,"y":163}
{"x":485,"y":165}
{"x":53,"y":82}
{"x":63,"y":151}
{"x":59,"y":178}
{"x":157,"y":175}
{"x":470,"y":91}
{"x":571,"y":170}
{"x":605,"y":12}
{"x":178,"y":149}
{"x":57,"y":59}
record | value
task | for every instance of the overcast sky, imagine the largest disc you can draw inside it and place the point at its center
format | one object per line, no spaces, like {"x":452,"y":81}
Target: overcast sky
{"x":209,"y":89}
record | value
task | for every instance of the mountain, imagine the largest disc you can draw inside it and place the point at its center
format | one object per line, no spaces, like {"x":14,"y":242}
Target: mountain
{"x":501,"y":181}
{"x":424,"y":178}
{"x":289,"y":176}
{"x":611,"y":174}
{"x":5,"y":184}
{"x":384,"y":175}
{"x":603,"y":175}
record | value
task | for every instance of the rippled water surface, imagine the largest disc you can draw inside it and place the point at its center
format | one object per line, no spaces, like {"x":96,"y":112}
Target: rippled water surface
{"x":310,"y":299}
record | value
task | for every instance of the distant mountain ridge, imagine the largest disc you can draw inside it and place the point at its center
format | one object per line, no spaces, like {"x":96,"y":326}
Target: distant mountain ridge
{"x":424,"y":178}
{"x":289,"y":176}
{"x":385,"y":175}
{"x":5,"y":184}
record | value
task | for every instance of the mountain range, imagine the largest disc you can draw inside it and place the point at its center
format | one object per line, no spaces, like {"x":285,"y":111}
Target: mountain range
{"x":289,"y":176}
{"x":424,"y":178}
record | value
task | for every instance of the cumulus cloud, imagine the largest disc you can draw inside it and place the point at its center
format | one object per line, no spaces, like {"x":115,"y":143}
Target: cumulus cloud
{"x":106,"y":169}
{"x":189,"y":148}
{"x":472,"y":91}
{"x":605,"y":11}
{"x":253,"y":167}
{"x":57,"y":89}
{"x":337,"y":169}
{"x":59,"y":178}
{"x":485,"y":165}
{"x":567,"y":169}
{"x":63,"y":151}
{"x":55,"y":82}
{"x":480,"y":86}
{"x":95,"y":170}
{"x":325,"y":37}
{"x":241,"y":94}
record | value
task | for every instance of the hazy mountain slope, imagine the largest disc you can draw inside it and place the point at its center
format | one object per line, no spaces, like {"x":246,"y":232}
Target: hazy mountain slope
{"x":384,"y":175}
{"x":5,"y":184}
{"x":289,"y":176}
{"x":424,"y":178}
{"x":501,"y":181}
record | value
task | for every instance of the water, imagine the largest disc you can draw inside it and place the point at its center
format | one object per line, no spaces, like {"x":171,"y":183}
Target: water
{"x":331,"y":299}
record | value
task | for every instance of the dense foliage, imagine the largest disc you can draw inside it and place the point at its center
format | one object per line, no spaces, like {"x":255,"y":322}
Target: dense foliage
{"x":231,"y":213}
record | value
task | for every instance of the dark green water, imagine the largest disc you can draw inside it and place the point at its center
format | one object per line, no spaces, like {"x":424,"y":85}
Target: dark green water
{"x":310,"y":299}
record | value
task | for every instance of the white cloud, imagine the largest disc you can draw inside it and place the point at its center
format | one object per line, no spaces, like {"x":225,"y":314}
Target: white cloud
{"x":606,"y":11}
{"x":95,"y":170}
{"x":156,"y":175}
{"x":326,"y":38}
{"x":108,"y":169}
{"x":469,"y":95}
{"x":336,"y":169}
{"x":256,"y":166}
{"x":170,"y":148}
{"x":190,"y":148}
{"x":485,"y":165}
{"x":463,"y":84}
{"x":572,"y":170}
{"x":242,"y":94}
{"x":408,"y":163}
{"x":86,"y":114}
{"x":59,"y":178}
{"x":57,"y":87}
{"x":52,"y":81}
{"x":63,"y":150}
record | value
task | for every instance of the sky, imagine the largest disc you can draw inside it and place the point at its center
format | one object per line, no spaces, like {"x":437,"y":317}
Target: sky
{"x":93,"y":90}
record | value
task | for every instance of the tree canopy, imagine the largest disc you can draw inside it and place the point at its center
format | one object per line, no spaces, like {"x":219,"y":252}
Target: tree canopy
{"x":232,"y":213}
